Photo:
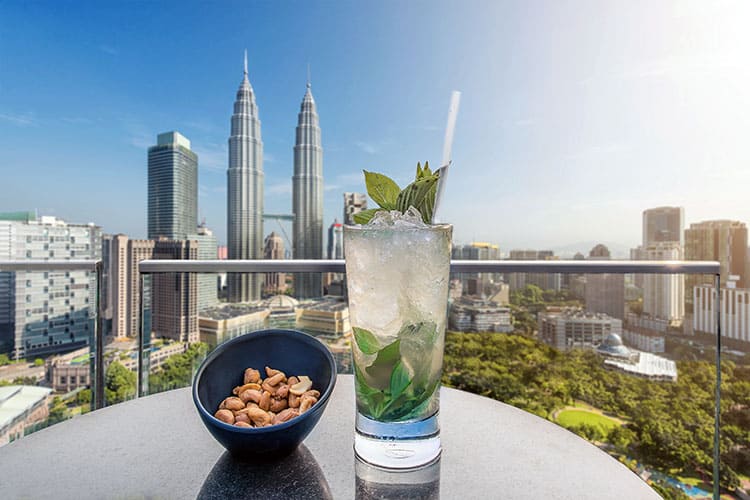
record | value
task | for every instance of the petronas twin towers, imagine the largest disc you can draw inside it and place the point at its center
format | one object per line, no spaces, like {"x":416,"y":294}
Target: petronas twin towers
{"x":245,"y":194}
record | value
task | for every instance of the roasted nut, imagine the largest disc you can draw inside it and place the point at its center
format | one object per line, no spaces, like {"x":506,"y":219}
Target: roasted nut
{"x":278,"y":404}
{"x":306,"y":403}
{"x":292,"y":380}
{"x":242,"y":424}
{"x":241,"y":417}
{"x":225,"y":416}
{"x":293,"y":400}
{"x":251,"y":404}
{"x":285,"y":415}
{"x":242,"y":388}
{"x":258,"y":417}
{"x":271,"y":373}
{"x":313,"y":393}
{"x":234,"y":404}
{"x":282,"y":392}
{"x":251,"y":395}
{"x":275,"y":379}
{"x":304,"y":385}
{"x":265,"y":401}
{"x":252,"y":376}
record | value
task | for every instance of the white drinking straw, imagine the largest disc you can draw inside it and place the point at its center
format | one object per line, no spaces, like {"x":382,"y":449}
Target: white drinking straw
{"x":447,"y":147}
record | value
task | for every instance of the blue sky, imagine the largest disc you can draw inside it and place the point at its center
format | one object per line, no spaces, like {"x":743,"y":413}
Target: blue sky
{"x":575,"y":116}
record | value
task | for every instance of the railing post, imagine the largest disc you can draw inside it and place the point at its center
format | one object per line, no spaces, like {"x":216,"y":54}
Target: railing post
{"x":717,"y":409}
{"x":98,"y":393}
{"x":144,"y":338}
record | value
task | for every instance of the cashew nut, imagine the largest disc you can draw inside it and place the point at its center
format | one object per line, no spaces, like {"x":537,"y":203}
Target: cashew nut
{"x":306,"y":403}
{"x":225,"y":416}
{"x":285,"y":415}
{"x":234,"y":404}
{"x":265,"y":401}
{"x":250,"y":395}
{"x":278,"y":404}
{"x":242,"y":388}
{"x":242,"y":424}
{"x":258,"y":417}
{"x":252,"y":376}
{"x":302,"y":386}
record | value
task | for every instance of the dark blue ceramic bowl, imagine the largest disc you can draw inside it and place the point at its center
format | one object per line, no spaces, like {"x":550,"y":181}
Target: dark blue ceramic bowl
{"x":294,"y":353}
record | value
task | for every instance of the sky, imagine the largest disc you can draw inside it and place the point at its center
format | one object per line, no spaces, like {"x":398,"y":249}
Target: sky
{"x":575,"y":115}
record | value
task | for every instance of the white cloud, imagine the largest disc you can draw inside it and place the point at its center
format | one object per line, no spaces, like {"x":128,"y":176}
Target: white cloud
{"x":367,"y":147}
{"x":22,"y":120}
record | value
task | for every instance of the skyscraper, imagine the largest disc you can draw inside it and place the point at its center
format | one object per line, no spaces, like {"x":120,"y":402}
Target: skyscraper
{"x":353,"y":203}
{"x":605,"y":293}
{"x":664,"y":294}
{"x":307,"y":196}
{"x":336,"y":240}
{"x":245,"y":193}
{"x":274,"y":249}
{"x":207,"y":283}
{"x":721,"y":240}
{"x":172,"y":187}
{"x":663,"y":224}
{"x":46,"y":312}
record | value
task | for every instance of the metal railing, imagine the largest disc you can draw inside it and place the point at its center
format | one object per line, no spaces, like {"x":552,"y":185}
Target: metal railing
{"x":148,"y":267}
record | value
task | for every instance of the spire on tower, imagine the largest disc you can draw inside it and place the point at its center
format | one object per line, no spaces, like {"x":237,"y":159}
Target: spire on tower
{"x":245,"y":62}
{"x":308,"y":76}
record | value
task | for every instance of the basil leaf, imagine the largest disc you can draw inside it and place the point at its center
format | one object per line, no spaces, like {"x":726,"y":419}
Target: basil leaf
{"x":400,"y":379}
{"x":365,"y":216}
{"x":382,"y":189}
{"x":420,"y":194}
{"x":366,"y":341}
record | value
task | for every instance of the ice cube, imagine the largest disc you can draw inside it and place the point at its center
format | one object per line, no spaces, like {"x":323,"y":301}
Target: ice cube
{"x":408,"y":220}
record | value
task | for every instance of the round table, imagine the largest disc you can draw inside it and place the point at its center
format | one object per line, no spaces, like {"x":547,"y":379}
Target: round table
{"x":157,"y":447}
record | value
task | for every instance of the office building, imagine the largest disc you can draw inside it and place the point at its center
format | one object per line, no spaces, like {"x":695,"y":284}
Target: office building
{"x":735,"y":313}
{"x":307,"y":196}
{"x":327,"y":318}
{"x":227,"y":321}
{"x":353,"y":204}
{"x":274,"y":283}
{"x":245,"y":193}
{"x":172,"y":187}
{"x":174,"y":311}
{"x":476,"y":283}
{"x":545,"y":281}
{"x":336,"y":240}
{"x":21,"y":407}
{"x":662,"y":225}
{"x":664,"y":294}
{"x":207,"y":283}
{"x":721,"y":240}
{"x":569,"y":328}
{"x":604,"y":293}
{"x":475,"y":314}
{"x":47,"y":312}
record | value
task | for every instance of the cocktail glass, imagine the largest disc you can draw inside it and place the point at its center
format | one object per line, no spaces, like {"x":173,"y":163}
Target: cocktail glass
{"x":397,"y":272}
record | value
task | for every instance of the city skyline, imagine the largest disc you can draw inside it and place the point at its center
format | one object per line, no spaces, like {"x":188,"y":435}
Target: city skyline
{"x":540,"y":138}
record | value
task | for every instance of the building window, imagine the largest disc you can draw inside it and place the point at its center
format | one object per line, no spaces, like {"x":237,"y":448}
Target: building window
{"x":63,"y":380}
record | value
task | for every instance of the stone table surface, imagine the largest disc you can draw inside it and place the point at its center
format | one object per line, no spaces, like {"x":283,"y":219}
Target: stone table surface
{"x":157,"y":447}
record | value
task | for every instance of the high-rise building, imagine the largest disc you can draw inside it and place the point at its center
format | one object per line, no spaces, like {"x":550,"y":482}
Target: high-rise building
{"x":572,"y":328}
{"x":664,"y":294}
{"x":207,"y":283}
{"x":307,"y":196}
{"x":274,"y":250}
{"x":663,"y":224}
{"x":245,"y":193}
{"x":476,"y":283}
{"x":172,"y":187}
{"x":47,"y":312}
{"x":735,"y":312}
{"x":126,"y":284}
{"x":721,"y":240}
{"x":545,"y":281}
{"x":174,"y":312}
{"x":353,"y":203}
{"x":605,"y":293}
{"x":336,"y":240}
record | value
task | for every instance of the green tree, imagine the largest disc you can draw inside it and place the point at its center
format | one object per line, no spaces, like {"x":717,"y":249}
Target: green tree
{"x":119,"y":383}
{"x":4,"y":360}
{"x":38,"y":362}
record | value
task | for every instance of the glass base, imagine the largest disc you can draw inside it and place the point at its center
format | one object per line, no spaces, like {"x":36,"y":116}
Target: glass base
{"x":399,"y":445}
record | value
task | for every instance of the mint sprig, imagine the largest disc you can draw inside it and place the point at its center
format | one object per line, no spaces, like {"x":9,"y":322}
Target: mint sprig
{"x":386,"y":388}
{"x":384,"y":191}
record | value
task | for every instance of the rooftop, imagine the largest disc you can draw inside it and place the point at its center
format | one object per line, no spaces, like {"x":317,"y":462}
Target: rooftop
{"x":17,"y":399}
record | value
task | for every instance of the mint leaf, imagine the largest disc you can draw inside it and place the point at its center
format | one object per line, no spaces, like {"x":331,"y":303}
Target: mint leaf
{"x":382,"y":189}
{"x":423,"y":329}
{"x":366,"y":341}
{"x":364,"y":216}
{"x":400,"y":379}
{"x":420,"y":194}
{"x":380,"y":370}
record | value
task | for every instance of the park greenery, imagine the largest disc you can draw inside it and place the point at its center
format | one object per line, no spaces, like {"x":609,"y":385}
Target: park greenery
{"x":667,"y":426}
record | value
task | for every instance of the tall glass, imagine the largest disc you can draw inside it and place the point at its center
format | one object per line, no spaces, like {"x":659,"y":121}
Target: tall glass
{"x":397,"y":279}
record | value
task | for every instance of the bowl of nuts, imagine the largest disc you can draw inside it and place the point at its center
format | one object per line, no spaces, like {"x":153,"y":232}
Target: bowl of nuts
{"x":261,"y":394}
